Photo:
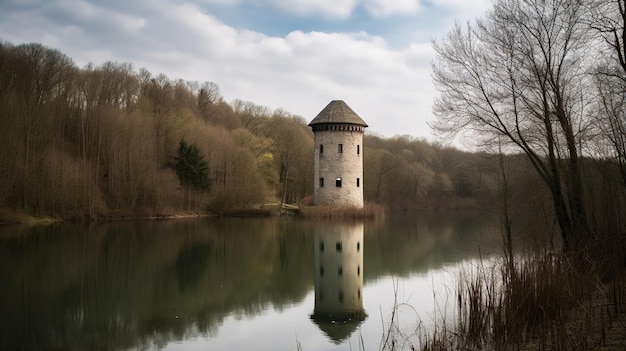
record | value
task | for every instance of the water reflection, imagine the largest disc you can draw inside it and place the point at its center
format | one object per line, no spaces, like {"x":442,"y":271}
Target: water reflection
{"x":144,"y":284}
{"x":153,"y":284}
{"x":338,"y":279}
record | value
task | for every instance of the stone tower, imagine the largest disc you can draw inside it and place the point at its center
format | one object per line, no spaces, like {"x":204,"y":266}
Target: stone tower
{"x":338,"y":137}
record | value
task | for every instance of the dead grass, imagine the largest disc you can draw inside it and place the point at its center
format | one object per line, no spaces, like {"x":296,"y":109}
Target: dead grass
{"x":544,"y":301}
{"x":370,"y":210}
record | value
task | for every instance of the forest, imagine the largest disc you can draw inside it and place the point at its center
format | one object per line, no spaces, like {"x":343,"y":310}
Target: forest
{"x":115,"y":141}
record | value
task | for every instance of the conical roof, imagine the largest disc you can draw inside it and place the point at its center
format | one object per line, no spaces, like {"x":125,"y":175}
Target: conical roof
{"x":339,"y":326}
{"x":336,"y":112}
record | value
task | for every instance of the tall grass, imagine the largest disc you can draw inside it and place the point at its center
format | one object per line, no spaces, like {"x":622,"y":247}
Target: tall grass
{"x":370,"y":210}
{"x":543,"y":301}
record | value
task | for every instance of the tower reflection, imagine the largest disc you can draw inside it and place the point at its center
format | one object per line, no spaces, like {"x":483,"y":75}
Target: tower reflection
{"x":339,"y":279}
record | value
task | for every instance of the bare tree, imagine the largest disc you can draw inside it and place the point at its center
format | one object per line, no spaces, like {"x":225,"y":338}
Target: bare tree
{"x":250,"y":114}
{"x":42,"y":73}
{"x":519,"y":74}
{"x":607,"y":19}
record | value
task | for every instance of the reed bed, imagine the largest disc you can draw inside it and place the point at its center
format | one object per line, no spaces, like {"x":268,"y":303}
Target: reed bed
{"x":370,"y":210}
{"x":542,"y":301}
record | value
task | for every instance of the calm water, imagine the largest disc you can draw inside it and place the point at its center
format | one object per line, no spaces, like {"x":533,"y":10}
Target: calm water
{"x":229,"y":284}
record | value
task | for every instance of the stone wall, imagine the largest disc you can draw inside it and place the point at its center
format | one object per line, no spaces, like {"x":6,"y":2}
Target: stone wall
{"x":331,"y":164}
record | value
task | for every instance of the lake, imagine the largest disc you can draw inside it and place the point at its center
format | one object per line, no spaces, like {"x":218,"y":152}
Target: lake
{"x":280,"y":283}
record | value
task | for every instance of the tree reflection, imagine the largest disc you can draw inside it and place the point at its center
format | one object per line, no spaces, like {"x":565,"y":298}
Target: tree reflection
{"x":145,"y":284}
{"x":149,"y":283}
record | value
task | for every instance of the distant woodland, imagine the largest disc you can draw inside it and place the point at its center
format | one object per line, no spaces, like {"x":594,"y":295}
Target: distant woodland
{"x":111,"y":140}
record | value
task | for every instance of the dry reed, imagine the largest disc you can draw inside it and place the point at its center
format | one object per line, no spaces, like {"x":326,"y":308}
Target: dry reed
{"x":370,"y":210}
{"x":543,"y":301}
{"x":540,"y":301}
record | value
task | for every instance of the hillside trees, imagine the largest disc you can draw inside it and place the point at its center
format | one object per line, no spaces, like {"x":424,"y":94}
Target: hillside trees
{"x":99,"y":141}
{"x":35,"y":83}
{"x":518,"y":74}
{"x":292,"y":147}
{"x":404,"y":173}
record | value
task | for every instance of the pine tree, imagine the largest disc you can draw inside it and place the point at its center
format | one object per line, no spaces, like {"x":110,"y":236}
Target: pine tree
{"x":191,"y":168}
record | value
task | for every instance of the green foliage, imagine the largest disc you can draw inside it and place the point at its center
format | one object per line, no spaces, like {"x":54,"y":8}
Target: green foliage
{"x":191,"y":167}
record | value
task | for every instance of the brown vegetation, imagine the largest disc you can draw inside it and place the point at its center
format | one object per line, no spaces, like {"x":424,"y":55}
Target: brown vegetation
{"x":370,"y":210}
{"x":100,"y":141}
{"x":540,"y":301}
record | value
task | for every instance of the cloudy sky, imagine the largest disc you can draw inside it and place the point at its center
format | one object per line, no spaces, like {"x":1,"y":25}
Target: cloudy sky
{"x":293,"y":54}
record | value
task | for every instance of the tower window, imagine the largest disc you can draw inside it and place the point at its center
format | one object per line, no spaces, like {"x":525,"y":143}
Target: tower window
{"x":321,"y":271}
{"x":338,"y":182}
{"x":358,"y":246}
{"x":358,"y":182}
{"x":340,"y":148}
{"x":321,"y":182}
{"x":358,"y":149}
{"x":340,"y":271}
{"x":338,"y":246}
{"x":321,"y":148}
{"x":340,"y":296}
{"x":321,"y":246}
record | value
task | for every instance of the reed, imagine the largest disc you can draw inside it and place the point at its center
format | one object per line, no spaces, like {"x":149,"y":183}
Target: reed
{"x":544,"y":301}
{"x":370,"y":210}
{"x":539,"y":301}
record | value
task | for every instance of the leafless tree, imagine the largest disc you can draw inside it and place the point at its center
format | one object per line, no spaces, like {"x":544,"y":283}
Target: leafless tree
{"x":519,"y":74}
{"x":607,"y":20}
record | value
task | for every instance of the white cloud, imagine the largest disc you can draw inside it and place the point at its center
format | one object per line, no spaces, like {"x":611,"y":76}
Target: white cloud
{"x":83,"y":11}
{"x":465,"y":8}
{"x":382,"y":8}
{"x":328,"y":8}
{"x":301,"y":72}
{"x":339,"y":9}
{"x":222,"y":2}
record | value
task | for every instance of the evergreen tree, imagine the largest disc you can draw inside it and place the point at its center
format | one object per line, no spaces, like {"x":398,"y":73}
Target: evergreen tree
{"x":191,"y":167}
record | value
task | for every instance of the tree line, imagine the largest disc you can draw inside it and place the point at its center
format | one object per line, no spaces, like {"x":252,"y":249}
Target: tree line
{"x":111,"y":140}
